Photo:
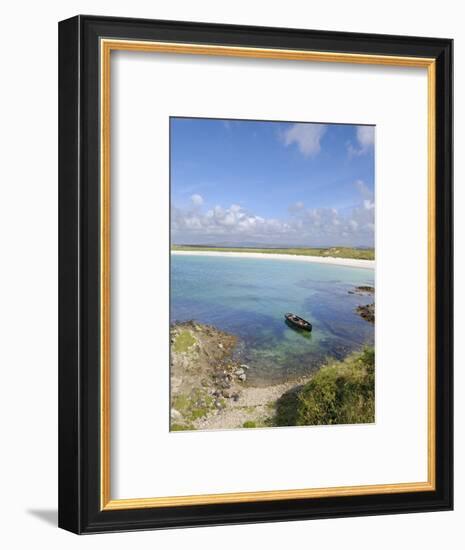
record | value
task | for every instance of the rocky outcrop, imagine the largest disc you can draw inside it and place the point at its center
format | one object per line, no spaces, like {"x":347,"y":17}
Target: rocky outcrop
{"x":367,"y":312}
{"x":362,"y":290}
{"x":204,"y":373}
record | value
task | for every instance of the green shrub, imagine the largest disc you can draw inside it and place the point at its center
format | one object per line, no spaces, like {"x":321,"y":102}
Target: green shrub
{"x":339,"y":393}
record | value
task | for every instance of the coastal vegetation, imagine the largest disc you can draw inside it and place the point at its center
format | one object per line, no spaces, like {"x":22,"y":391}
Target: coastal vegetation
{"x":194,"y":405}
{"x":204,"y":374}
{"x":338,"y":393}
{"x":210,"y":389}
{"x":249,"y":424}
{"x":183,"y":341}
{"x":331,"y":252}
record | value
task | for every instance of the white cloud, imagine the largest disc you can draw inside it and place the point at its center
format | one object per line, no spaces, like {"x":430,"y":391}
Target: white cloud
{"x":303,"y":225}
{"x":366,"y":136}
{"x":363,"y":189}
{"x":366,"y":194}
{"x":296,"y":207}
{"x":197,"y":200}
{"x":307,"y":137}
{"x":365,"y":141}
{"x":219,"y":221}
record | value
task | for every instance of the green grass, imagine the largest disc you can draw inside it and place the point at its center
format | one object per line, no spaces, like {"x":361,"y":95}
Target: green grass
{"x":184,"y":340}
{"x":194,"y":405}
{"x":334,"y":252}
{"x":181,"y":403}
{"x":181,"y":427}
{"x":249,"y":424}
{"x":339,"y":393}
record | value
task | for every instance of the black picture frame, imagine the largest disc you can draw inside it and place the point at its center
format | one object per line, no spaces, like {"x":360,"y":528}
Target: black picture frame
{"x":79,"y":276}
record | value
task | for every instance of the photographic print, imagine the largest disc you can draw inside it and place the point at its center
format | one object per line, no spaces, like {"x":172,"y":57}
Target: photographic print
{"x":272,"y":281}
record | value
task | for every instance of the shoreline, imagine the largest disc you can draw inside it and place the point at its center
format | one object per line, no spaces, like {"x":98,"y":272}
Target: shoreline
{"x":329,"y":260}
{"x":210,"y":389}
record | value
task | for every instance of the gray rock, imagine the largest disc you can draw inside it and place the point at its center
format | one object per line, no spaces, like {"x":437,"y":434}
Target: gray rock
{"x":246,"y":367}
{"x":239,"y":372}
{"x":175,"y":415}
{"x":242,"y":377}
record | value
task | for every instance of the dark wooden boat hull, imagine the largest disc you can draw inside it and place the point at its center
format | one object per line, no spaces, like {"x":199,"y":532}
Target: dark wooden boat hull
{"x":297,"y":322}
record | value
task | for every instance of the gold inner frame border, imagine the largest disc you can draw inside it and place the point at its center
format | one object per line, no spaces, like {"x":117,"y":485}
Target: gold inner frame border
{"x":106,"y":47}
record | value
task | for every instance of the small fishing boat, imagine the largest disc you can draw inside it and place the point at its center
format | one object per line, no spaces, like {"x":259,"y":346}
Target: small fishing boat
{"x":298,"y":322}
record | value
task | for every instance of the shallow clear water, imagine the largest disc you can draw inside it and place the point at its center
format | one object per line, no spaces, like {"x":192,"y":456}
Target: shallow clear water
{"x":248,"y":297}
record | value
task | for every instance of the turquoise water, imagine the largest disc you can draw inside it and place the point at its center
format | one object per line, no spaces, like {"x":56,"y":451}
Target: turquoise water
{"x":248,"y":297}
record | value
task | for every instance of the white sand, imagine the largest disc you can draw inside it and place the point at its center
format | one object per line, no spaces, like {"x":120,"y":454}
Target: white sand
{"x":348,"y":262}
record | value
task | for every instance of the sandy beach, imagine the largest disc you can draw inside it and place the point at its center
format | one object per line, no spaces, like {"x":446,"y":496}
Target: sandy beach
{"x":348,"y":262}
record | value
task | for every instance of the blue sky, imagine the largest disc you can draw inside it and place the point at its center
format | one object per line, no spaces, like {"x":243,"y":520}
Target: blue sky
{"x":271,"y":183}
